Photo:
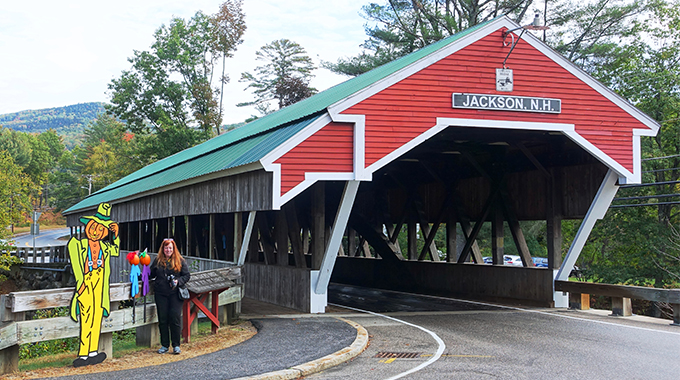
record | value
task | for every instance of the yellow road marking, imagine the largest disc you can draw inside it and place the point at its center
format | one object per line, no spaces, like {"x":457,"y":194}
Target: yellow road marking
{"x":462,"y":356}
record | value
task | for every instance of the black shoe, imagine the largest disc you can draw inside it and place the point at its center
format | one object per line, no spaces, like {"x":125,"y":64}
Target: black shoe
{"x":100,"y":357}
{"x":90,"y":360}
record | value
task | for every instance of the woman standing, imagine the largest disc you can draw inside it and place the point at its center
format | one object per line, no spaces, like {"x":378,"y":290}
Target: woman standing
{"x":170,"y":271}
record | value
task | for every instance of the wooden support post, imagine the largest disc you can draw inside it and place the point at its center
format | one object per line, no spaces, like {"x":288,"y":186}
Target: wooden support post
{"x":147,"y":335}
{"x":451,"y":238}
{"x":621,"y":307}
{"x":254,"y":245}
{"x":579,"y":301}
{"x":9,"y":357}
{"x":676,"y":314}
{"x":189,"y":226}
{"x":294,"y":234}
{"x":553,"y":223}
{"x":351,"y":242}
{"x":154,"y":224}
{"x":366,"y":249}
{"x":266,"y":238}
{"x":412,"y":240}
{"x":281,"y":233}
{"x":305,"y":240}
{"x":140,"y":235}
{"x":211,"y":237}
{"x":106,"y":339}
{"x":497,"y":238}
{"x":238,"y":234}
{"x":318,"y":224}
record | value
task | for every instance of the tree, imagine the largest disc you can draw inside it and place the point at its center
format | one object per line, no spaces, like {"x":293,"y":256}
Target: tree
{"x":169,"y":89}
{"x":284,"y":78}
{"x":15,"y":190}
{"x":229,"y":24}
{"x":580,"y":30}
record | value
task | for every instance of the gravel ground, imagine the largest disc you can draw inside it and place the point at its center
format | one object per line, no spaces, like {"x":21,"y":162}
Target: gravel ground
{"x":279,"y":344}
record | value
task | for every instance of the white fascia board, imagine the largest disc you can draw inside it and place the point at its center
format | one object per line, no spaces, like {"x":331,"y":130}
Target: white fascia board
{"x":444,"y":122}
{"x":268,"y":163}
{"x":413,"y":68}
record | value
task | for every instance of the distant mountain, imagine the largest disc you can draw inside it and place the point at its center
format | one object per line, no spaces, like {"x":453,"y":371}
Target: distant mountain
{"x":64,"y":120}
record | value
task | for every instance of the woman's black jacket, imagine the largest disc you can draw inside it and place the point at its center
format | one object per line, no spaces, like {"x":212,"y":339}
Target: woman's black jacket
{"x":161,"y":283}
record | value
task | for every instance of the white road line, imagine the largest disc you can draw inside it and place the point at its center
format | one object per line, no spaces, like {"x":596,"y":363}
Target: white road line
{"x":435,"y":357}
{"x":551,"y":314}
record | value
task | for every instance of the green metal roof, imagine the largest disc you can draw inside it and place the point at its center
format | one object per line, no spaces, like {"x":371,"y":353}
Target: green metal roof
{"x":254,"y":140}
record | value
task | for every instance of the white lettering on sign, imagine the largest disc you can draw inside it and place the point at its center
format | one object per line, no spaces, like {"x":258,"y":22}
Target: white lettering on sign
{"x":507,"y":103}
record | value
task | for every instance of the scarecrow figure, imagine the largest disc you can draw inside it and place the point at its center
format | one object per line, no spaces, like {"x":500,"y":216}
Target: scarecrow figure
{"x":90,"y":259}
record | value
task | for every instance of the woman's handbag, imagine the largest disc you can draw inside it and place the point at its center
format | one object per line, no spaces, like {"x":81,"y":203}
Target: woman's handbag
{"x":183,"y":293}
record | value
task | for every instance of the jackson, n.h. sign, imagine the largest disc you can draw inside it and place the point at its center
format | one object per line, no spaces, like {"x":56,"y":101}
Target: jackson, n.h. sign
{"x":506,"y":103}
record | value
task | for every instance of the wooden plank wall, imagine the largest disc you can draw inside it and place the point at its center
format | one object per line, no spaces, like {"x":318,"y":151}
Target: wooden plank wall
{"x":576,"y":186}
{"x":280,"y":285}
{"x":242,"y":192}
{"x":531,"y":286}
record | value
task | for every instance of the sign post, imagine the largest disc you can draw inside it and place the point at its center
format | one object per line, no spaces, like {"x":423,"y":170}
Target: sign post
{"x":35,"y":230}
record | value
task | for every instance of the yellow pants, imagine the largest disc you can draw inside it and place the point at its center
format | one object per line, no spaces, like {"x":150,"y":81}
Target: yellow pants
{"x":91,"y":311}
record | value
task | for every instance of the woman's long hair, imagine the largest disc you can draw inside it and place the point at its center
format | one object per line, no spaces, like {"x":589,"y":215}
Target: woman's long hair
{"x":175,"y":259}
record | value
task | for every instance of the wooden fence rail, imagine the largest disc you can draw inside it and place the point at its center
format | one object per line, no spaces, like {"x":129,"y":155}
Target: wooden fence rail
{"x":16,"y":330}
{"x":579,"y":296}
{"x":40,"y":255}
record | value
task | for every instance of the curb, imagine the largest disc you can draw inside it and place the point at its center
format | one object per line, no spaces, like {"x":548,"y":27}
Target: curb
{"x":318,"y":365}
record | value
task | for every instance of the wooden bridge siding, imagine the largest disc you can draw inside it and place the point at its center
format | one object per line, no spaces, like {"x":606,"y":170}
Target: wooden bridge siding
{"x":242,"y":192}
{"x":525,"y":285}
{"x":577,"y":188}
{"x":281,"y":285}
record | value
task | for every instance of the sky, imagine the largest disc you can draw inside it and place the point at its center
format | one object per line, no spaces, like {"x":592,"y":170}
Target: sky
{"x":59,"y":53}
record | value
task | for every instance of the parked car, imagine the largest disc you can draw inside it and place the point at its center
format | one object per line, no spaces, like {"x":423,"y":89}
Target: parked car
{"x":488,"y":260}
{"x":540,"y":262}
{"x":513,"y":260}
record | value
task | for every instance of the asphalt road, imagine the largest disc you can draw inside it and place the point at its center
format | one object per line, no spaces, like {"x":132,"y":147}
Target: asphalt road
{"x":47,"y":238}
{"x":482,"y":341}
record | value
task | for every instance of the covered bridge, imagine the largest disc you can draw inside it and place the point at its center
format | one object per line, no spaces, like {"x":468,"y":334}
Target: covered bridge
{"x":465,"y":131}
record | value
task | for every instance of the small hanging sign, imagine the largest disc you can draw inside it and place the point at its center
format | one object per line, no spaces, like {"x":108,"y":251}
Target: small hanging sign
{"x":504,"y":80}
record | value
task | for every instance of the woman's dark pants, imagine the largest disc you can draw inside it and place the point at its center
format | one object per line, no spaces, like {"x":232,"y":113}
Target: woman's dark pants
{"x":169,"y":308}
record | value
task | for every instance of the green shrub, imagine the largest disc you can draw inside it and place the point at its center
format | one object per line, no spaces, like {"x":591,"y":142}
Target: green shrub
{"x":6,"y":262}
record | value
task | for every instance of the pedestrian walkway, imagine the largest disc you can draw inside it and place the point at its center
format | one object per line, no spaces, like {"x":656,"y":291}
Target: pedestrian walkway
{"x":284,"y":348}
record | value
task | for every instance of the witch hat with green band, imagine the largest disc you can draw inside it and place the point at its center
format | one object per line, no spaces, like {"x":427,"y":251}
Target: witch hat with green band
{"x":103,"y":215}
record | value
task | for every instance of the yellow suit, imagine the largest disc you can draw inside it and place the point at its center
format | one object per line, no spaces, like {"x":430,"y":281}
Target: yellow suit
{"x":91,"y":299}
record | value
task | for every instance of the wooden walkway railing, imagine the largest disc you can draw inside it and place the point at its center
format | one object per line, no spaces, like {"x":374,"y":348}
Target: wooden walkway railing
{"x":579,"y":296}
{"x":40,"y":255}
{"x":16,"y":330}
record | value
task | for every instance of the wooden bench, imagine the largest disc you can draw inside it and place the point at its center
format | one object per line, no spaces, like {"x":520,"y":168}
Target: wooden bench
{"x":579,"y":296}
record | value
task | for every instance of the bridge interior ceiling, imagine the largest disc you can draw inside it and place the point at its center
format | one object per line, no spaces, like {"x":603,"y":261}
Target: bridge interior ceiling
{"x":469,"y":164}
